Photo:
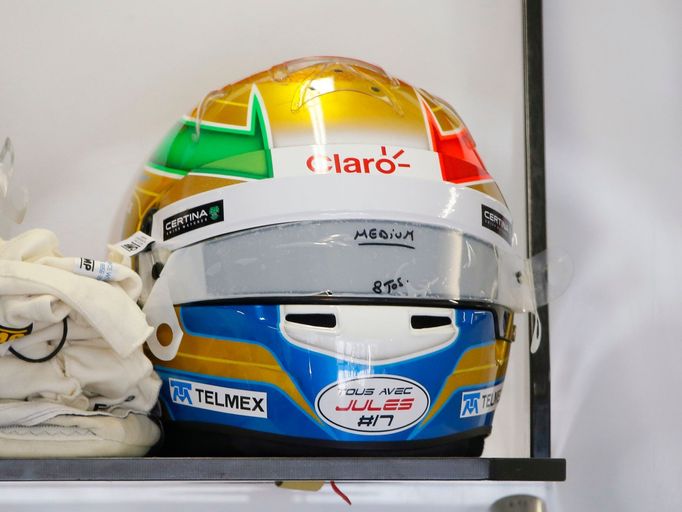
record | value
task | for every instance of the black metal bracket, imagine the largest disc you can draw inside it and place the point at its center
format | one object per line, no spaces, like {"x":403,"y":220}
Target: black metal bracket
{"x":540,"y":398}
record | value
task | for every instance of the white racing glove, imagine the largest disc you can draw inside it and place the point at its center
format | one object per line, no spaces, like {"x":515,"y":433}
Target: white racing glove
{"x":74,"y":381}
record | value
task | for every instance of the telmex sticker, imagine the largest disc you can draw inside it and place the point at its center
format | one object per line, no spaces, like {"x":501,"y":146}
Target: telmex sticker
{"x":479,"y":402}
{"x":219,"y":399}
{"x":373,"y":405}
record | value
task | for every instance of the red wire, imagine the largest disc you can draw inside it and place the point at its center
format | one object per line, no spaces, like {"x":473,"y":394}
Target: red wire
{"x":339,"y":492}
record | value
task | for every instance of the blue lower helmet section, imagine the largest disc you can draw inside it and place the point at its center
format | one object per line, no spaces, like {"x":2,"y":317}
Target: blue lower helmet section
{"x":328,"y":404}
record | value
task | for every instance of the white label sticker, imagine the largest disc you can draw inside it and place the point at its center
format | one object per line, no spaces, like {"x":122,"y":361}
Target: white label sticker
{"x":134,"y":244}
{"x":373,"y":405}
{"x":479,"y":402}
{"x":100,"y":270}
{"x":355,"y":160}
{"x":216,"y":398}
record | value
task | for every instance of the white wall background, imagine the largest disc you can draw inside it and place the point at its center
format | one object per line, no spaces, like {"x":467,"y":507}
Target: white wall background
{"x":614,"y":156}
{"x":87,"y":89}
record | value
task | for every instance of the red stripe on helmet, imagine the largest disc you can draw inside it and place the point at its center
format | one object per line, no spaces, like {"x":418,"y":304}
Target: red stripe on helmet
{"x":459,"y":161}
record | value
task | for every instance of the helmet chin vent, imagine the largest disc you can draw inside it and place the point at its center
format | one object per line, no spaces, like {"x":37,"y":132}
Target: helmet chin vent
{"x":368,"y":334}
{"x":313,"y":319}
{"x":429,"y":322}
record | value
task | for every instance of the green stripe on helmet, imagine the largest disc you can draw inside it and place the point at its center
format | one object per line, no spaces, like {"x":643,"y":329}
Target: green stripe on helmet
{"x":223,"y":151}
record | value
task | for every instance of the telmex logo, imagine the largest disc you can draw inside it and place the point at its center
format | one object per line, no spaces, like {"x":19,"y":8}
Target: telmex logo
{"x":339,"y":164}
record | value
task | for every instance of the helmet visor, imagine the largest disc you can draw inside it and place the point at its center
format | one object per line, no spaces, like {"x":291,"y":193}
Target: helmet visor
{"x":349,"y":259}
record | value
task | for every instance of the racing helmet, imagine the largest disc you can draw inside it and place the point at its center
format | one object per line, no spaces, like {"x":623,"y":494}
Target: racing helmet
{"x":332,"y":272}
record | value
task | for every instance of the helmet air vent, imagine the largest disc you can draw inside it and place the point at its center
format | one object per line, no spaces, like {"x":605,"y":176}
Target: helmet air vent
{"x":429,"y":321}
{"x":313,"y":319}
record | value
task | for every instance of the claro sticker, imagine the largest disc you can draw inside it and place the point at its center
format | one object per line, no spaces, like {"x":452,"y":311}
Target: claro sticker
{"x":373,"y":405}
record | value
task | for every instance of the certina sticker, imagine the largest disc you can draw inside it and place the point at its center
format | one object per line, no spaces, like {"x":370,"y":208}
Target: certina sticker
{"x":496,"y":222}
{"x":479,"y":402}
{"x":194,"y":218}
{"x":373,"y":405}
{"x":100,"y":270}
{"x":8,"y":334}
{"x":216,"y":398}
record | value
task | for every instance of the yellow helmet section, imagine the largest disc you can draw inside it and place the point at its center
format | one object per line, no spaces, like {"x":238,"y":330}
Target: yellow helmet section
{"x":319,"y":101}
{"x":367,"y":106}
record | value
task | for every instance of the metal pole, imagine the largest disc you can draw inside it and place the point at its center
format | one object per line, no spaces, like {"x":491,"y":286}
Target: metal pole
{"x":536,"y":217}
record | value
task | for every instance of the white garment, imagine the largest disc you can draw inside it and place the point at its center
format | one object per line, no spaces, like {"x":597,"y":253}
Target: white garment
{"x":101,"y":376}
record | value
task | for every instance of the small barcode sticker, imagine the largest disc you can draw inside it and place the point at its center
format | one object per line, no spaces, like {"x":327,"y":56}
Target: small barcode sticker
{"x":134,"y":244}
{"x":100,"y":270}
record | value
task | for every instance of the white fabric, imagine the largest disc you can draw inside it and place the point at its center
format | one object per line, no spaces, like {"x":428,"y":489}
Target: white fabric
{"x":80,"y":436}
{"x":101,"y":373}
